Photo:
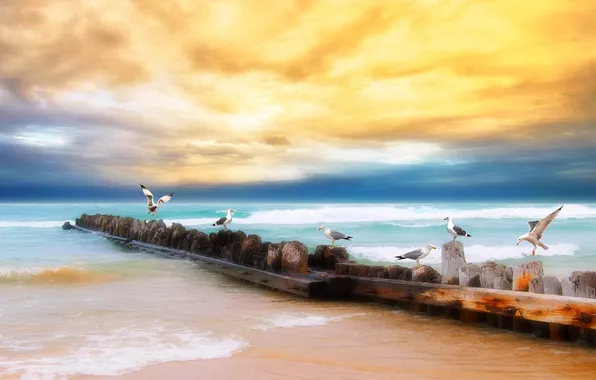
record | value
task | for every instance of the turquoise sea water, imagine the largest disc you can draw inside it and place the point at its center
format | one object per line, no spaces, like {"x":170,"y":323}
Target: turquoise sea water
{"x":74,"y":303}
{"x":32,"y":238}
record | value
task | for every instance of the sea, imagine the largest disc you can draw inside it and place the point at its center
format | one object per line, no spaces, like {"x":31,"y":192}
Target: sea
{"x":75,"y":305}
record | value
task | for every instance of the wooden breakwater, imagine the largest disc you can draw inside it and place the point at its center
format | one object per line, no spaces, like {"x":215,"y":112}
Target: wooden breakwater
{"x":490,"y":293}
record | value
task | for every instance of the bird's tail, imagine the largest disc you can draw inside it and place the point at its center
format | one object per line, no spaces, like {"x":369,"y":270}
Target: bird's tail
{"x":214,"y":224}
{"x":348,"y":237}
{"x":468,"y":235}
{"x":542,"y":246}
{"x":399,"y":257}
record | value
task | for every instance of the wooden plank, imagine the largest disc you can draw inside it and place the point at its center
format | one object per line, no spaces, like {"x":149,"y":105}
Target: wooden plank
{"x":296,"y":284}
{"x":534,"y":307}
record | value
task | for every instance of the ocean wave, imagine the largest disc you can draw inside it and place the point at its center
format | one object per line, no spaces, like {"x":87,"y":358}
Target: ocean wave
{"x":474,"y":253}
{"x":122,"y":351}
{"x":343,"y":214}
{"x":290,"y":320}
{"x":32,"y":224}
{"x":53,"y":275}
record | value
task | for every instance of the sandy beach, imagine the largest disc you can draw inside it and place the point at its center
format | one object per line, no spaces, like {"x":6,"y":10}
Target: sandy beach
{"x":386,"y":344}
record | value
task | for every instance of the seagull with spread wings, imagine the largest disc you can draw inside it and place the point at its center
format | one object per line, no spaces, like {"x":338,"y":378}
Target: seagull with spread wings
{"x":537,"y":228}
{"x":417,"y":254}
{"x":151,"y":206}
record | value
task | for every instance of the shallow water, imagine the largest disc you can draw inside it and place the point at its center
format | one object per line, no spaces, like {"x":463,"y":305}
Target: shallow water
{"x":74,"y":304}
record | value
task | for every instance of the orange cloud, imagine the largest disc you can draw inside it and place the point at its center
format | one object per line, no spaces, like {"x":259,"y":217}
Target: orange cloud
{"x":230,"y":87}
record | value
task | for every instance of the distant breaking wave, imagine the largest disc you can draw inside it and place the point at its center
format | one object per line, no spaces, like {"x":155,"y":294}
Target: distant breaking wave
{"x":406,"y":217}
{"x":355,"y":214}
{"x":32,"y":224}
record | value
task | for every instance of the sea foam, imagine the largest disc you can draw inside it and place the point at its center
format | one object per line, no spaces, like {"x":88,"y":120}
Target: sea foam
{"x":289,"y":320}
{"x":474,"y":253}
{"x":120,"y":352}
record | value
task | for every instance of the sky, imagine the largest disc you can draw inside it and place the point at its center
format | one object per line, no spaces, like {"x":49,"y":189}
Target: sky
{"x":304,"y":99}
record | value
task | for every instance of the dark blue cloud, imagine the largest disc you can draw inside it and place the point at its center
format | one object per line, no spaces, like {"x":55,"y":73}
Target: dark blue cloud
{"x":563,"y":176}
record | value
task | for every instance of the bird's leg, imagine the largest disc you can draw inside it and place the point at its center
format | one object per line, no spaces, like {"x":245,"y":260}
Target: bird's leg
{"x":332,"y":243}
{"x":534,"y":251}
{"x":417,"y":263}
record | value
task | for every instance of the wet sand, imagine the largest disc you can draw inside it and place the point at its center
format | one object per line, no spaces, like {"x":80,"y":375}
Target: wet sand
{"x":386,"y":344}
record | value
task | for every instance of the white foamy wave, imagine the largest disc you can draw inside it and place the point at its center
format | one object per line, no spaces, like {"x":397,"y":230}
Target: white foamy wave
{"x":474,"y":253}
{"x":121,"y":352}
{"x":300,"y":320}
{"x":192,"y":221}
{"x":342,"y":214}
{"x":32,"y":224}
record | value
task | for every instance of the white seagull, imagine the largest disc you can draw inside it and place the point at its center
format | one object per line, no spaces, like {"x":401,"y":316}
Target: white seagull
{"x":537,"y":228}
{"x":225,"y":220}
{"x":151,"y":206}
{"x":417,"y":254}
{"x":333,"y":235}
{"x":454,"y":230}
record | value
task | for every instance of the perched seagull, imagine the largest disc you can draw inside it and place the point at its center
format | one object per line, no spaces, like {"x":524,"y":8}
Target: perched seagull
{"x":537,"y":228}
{"x":333,"y":235}
{"x":454,"y":230}
{"x":417,"y":254}
{"x":225,"y":220}
{"x":152,"y":207}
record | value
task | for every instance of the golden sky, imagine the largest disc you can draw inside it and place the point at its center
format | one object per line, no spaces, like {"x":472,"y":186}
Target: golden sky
{"x":219,"y":91}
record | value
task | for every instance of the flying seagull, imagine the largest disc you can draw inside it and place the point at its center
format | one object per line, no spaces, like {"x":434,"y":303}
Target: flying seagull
{"x":152,"y":207}
{"x":537,"y":228}
{"x":454,"y":230}
{"x":225,"y":220}
{"x":333,"y":235}
{"x":417,"y":254}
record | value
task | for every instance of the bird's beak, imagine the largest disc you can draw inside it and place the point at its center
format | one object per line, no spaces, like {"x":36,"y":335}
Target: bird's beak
{"x":319,"y":228}
{"x":446,"y":218}
{"x":433,"y":247}
{"x":517,"y":243}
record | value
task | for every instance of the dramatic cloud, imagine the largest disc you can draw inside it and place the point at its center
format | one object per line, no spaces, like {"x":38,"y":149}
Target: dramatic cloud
{"x":205,"y":93}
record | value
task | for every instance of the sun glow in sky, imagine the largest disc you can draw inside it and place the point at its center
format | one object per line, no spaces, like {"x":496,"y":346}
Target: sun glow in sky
{"x":241,"y":91}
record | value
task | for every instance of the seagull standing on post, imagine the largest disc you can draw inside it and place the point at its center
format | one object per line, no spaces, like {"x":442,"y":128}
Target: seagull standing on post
{"x":417,"y":254}
{"x":537,"y":228}
{"x":333,"y":235}
{"x":454,"y":230}
{"x":152,"y":207}
{"x":225,"y":220}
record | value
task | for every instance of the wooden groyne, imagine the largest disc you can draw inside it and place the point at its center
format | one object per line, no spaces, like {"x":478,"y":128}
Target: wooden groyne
{"x":518,"y":298}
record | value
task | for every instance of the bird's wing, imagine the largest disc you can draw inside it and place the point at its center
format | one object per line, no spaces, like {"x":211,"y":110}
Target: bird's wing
{"x":413,"y":254}
{"x":541,"y":226}
{"x":221,"y":220}
{"x":337,"y":235}
{"x":148,"y":195}
{"x":165,"y":198}
{"x":458,"y":230}
{"x":532,"y":224}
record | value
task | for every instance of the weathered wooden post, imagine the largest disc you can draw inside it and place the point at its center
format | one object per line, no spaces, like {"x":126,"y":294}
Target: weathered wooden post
{"x":452,"y":259}
{"x":489,"y":271}
{"x":294,"y":257}
{"x":552,"y":285}
{"x":580,"y":284}
{"x":469,"y":275}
